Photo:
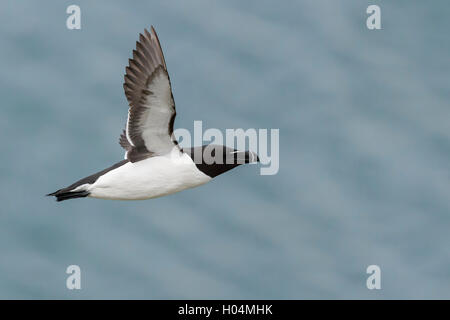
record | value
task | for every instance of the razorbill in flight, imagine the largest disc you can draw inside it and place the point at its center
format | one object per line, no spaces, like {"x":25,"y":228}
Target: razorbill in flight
{"x":154,"y":164}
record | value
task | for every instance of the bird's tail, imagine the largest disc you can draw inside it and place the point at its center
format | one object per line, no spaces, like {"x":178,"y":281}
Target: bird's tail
{"x":64,"y":194}
{"x":81,"y":188}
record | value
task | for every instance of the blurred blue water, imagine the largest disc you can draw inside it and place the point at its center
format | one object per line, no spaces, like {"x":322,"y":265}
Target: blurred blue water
{"x":364,"y":150}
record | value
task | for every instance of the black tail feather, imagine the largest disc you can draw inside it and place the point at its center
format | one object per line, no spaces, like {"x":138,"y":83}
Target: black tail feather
{"x":66,"y":193}
{"x":62,"y":195}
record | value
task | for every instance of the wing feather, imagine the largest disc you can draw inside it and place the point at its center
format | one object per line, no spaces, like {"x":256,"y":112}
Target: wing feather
{"x":151,"y":115}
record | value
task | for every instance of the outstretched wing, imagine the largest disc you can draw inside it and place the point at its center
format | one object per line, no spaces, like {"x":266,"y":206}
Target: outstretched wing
{"x":149,"y":128}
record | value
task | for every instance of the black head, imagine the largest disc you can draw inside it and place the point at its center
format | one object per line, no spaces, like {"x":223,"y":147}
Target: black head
{"x":213,"y":159}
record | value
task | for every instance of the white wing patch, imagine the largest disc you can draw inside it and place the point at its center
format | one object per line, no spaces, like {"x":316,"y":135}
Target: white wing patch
{"x":159,"y":109}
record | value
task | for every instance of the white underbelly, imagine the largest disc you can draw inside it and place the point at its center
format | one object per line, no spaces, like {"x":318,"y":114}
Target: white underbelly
{"x":149,"y":178}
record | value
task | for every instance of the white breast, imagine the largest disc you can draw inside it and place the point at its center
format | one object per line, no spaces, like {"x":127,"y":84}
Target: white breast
{"x":149,"y":178}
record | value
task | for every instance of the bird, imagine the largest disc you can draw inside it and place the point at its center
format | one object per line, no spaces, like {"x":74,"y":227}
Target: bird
{"x":154,"y":164}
